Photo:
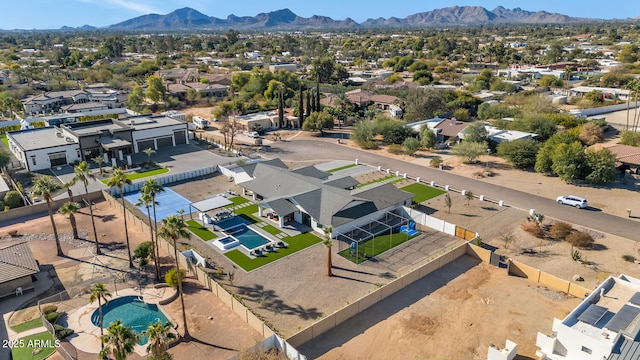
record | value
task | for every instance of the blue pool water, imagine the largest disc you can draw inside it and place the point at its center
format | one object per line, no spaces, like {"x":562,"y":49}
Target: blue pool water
{"x":247,"y":237}
{"x":169,"y":203}
{"x":131,"y":312}
{"x":232,"y":222}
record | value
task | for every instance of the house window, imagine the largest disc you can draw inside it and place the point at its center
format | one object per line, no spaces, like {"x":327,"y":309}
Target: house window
{"x":33,"y":160}
{"x":586,"y":349}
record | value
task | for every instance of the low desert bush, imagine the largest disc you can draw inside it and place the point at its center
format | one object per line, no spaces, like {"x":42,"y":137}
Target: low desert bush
{"x":629,"y":258}
{"x":533,"y":229}
{"x":560,"y":230}
{"x":435,"y":162}
{"x":580,"y":239}
{"x":49,"y":308}
{"x":396,"y":149}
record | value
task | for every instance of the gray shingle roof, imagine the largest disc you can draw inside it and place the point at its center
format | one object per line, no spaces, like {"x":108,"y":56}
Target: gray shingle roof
{"x":311,"y":171}
{"x":343,"y":182}
{"x":16,"y":261}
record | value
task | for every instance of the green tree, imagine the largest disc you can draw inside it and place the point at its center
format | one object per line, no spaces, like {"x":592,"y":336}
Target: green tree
{"x":461,"y":114}
{"x":363,"y":134}
{"x":119,"y":179}
{"x":155,"y":89}
{"x":595,"y":97}
{"x":628,"y":54}
{"x":82,"y":173}
{"x":427,"y":137}
{"x":328,"y":244}
{"x":468,"y":196}
{"x":100,"y":293}
{"x":411,"y":145}
{"x":519,"y":153}
{"x":174,"y":228}
{"x":136,"y":98}
{"x":120,"y":341}
{"x":476,"y":132}
{"x":423,"y":104}
{"x":159,"y":336}
{"x":5,"y":158}
{"x":150,"y":190}
{"x":550,"y":81}
{"x":544,"y":160}
{"x":69,"y":209}
{"x":630,"y":137}
{"x":469,"y":151}
{"x":569,"y":161}
{"x":149,"y":152}
{"x":601,"y":165}
{"x":318,"y":121}
{"x":423,"y":77}
{"x":44,"y":186}
{"x":99,"y":160}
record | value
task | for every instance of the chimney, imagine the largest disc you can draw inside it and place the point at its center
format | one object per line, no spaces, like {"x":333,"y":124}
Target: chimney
{"x":601,"y":292}
{"x":453,"y":121}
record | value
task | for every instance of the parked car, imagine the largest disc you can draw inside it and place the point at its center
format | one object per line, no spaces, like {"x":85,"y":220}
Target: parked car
{"x":253,"y":134}
{"x":572,"y":200}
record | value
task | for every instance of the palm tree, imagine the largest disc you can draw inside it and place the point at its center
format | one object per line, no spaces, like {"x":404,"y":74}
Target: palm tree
{"x":469,"y":196}
{"x":174,"y":228}
{"x":146,"y":200}
{"x":327,"y":243}
{"x":69,"y":209}
{"x":120,"y":340}
{"x":153,"y":188}
{"x":44,"y":186}
{"x":99,"y":292}
{"x":99,"y":160}
{"x":82,"y":173}
{"x":149,"y":152}
{"x":159,"y":337}
{"x":120,"y":179}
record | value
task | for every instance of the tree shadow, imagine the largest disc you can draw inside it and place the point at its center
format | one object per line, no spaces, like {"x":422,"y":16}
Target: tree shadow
{"x":599,"y":247}
{"x":488,"y":208}
{"x":268,"y":299}
{"x":196,"y":340}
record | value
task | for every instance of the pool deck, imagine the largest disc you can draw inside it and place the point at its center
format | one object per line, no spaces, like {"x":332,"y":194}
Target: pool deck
{"x":87,"y":336}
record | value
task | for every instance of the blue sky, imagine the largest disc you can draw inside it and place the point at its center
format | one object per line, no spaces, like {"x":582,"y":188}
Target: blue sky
{"x":53,"y":14}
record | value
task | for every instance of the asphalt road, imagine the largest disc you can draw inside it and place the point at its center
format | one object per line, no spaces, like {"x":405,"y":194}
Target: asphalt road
{"x":306,"y":150}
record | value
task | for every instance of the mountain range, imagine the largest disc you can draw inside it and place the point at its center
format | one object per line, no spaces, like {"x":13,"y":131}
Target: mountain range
{"x":285,"y":19}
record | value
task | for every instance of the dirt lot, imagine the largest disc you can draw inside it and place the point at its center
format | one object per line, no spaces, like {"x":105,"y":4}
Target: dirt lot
{"x":454,"y":313}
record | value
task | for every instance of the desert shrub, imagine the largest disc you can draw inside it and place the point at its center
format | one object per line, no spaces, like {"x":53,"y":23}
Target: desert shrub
{"x":580,"y":239}
{"x":435,"y":162}
{"x":171,"y":277}
{"x":13,"y":199}
{"x":51,"y":316}
{"x":396,"y":149}
{"x":62,"y":332}
{"x":629,"y":258}
{"x":533,"y":229}
{"x":560,"y":230}
{"x":49,"y":308}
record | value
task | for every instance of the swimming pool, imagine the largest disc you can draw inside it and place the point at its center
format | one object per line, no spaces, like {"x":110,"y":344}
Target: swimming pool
{"x":132,"y":312}
{"x":247,"y":237}
{"x":232,"y":222}
{"x":169,"y":203}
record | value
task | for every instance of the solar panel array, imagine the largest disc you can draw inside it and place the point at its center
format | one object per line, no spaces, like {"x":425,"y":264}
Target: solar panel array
{"x":593,"y":314}
{"x":623,"y":318}
{"x":635,"y":299}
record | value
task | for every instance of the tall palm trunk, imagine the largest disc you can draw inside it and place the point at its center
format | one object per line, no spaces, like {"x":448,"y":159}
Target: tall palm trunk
{"x":628,"y":100}
{"x":101,"y":323}
{"x":55,"y":229}
{"x":93,"y":221}
{"x":329,"y":263}
{"x":126,"y":230}
{"x":153,"y":245}
{"x":155,"y":231}
{"x":74,"y":225}
{"x":186,"y":335}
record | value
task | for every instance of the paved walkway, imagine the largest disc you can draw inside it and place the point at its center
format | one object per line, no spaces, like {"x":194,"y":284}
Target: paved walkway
{"x":10,"y":304}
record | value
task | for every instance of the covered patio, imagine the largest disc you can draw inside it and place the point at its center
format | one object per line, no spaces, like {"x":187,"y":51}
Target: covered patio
{"x":282,"y":211}
{"x":217,"y":202}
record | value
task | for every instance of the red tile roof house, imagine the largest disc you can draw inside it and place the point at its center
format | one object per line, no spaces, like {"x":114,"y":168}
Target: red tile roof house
{"x":17,"y":266}
{"x":449,"y":128}
{"x":628,"y":156}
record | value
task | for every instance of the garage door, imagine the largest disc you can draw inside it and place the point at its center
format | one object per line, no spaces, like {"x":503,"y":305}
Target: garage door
{"x":180,"y":137}
{"x":145,"y":144}
{"x":165,"y":142}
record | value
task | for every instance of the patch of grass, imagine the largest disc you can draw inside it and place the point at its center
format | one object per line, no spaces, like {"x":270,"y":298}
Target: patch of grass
{"x":375,"y":246}
{"x":422,"y":192}
{"x":43,"y":340}
{"x":237,"y":200}
{"x":295,"y":243}
{"x":248,"y":211}
{"x":200,"y":231}
{"x":3,"y":137}
{"x":271,"y":229}
{"x":341,"y":168}
{"x":141,"y":175}
{"x":386,"y":178}
{"x":27,"y":325}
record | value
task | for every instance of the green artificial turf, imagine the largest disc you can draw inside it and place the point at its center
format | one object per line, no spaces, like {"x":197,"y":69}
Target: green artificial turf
{"x":3,"y":137}
{"x":141,"y":175}
{"x":200,"y":231}
{"x":382,"y":243}
{"x":341,"y":168}
{"x":237,"y":200}
{"x":24,"y":347}
{"x":295,"y":243}
{"x":422,"y":192}
{"x":27,"y":325}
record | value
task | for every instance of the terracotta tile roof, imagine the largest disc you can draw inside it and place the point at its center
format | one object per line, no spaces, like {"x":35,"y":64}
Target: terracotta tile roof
{"x":450,"y":128}
{"x":16,"y":261}
{"x":629,"y":155}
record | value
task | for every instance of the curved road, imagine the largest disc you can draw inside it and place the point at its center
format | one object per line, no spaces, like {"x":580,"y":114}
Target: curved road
{"x":307,"y":150}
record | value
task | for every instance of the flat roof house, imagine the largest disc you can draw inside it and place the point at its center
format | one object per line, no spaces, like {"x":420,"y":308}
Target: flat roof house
{"x":606,"y":325}
{"x":307,"y":197}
